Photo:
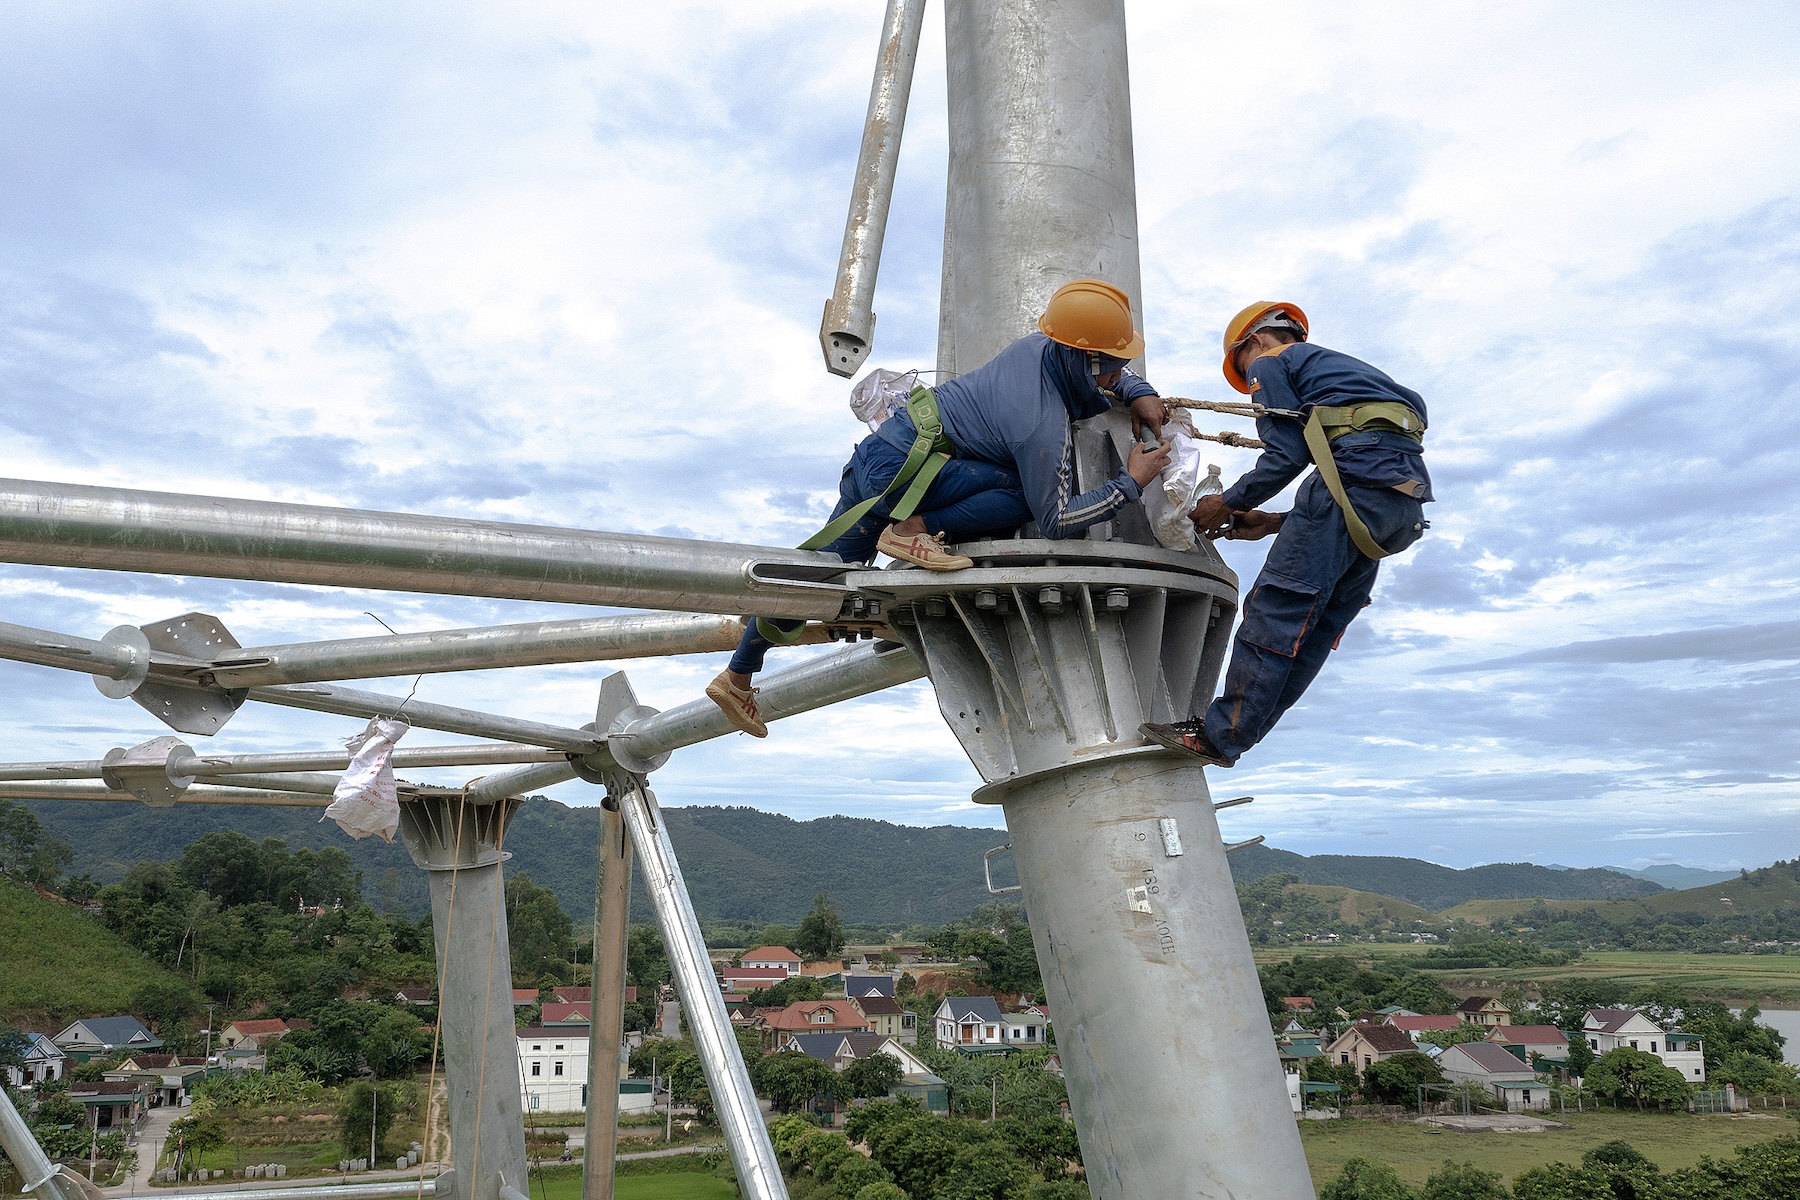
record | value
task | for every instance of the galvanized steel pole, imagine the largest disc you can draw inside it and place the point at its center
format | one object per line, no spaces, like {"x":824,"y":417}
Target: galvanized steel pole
{"x":36,"y":1172}
{"x":606,"y":1010}
{"x":1043,"y":185}
{"x":848,"y":330}
{"x":1132,"y":907}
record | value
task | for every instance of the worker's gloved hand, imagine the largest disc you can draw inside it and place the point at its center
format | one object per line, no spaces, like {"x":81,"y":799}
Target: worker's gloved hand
{"x":1254,"y":526}
{"x":1151,"y":411}
{"x":1146,"y":464}
{"x":1210,"y":516}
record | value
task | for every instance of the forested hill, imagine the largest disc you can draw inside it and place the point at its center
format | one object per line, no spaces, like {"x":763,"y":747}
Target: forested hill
{"x":740,"y":863}
{"x":744,"y":864}
{"x":1437,"y":888}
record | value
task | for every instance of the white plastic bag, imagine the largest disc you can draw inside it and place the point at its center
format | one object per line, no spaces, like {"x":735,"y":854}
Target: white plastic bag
{"x":1171,"y":496}
{"x":365,"y":801}
{"x":880,"y":394}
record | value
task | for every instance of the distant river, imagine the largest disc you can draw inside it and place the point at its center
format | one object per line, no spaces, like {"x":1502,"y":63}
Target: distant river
{"x":1785,"y":1021}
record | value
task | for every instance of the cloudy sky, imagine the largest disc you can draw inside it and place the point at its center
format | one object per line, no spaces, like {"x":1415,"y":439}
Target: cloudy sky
{"x":564,"y":264}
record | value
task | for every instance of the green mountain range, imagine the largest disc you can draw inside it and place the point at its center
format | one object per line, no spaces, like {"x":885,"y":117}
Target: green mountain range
{"x":1435,"y":887}
{"x":743,"y":864}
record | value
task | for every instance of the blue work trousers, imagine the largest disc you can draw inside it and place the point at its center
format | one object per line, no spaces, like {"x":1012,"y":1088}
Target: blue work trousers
{"x":1312,"y":585}
{"x":968,"y":499}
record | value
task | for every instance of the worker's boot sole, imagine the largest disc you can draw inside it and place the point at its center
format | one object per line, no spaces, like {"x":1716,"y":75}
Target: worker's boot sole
{"x":1193,"y":745}
{"x":738,"y":705}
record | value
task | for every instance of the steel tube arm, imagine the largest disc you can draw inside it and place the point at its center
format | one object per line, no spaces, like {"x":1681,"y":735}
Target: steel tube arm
{"x":848,"y":329}
{"x":116,"y":529}
{"x":828,"y":679}
{"x":320,"y":697}
{"x":21,"y":643}
{"x":197,"y":794}
{"x":36,"y":1172}
{"x":734,"y":1099}
{"x":593,"y":639}
{"x":251,"y":764}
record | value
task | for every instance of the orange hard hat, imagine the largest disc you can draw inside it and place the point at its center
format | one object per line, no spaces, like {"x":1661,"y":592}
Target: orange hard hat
{"x":1245,"y":323}
{"x":1091,"y":314}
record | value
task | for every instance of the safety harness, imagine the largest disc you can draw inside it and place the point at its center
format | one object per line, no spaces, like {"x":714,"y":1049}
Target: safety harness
{"x":1325,"y":425}
{"x":931,"y":449}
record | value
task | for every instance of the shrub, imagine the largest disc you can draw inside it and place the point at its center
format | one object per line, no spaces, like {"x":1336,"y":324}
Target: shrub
{"x":1364,"y":1180}
{"x":1464,"y":1181}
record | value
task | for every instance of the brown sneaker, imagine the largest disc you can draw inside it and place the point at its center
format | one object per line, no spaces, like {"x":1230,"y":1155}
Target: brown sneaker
{"x":1188,"y":737}
{"x":922,"y":550}
{"x":738,"y":704}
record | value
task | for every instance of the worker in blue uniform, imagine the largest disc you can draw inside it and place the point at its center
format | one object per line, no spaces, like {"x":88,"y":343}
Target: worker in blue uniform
{"x":1001,"y":438}
{"x":1364,"y":433}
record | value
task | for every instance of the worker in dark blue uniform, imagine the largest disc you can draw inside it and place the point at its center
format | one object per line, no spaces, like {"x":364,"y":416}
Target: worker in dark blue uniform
{"x":1009,"y":459}
{"x":1364,"y":433}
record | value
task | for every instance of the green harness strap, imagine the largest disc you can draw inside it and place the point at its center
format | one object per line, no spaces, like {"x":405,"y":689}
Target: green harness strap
{"x":931,"y":449}
{"x":1324,"y":425}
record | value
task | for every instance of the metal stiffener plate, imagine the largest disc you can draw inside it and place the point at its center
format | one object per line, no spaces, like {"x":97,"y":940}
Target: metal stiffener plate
{"x":190,"y":710}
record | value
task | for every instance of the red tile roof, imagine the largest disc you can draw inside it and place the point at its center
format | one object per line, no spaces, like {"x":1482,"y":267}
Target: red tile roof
{"x":1385,"y":1038}
{"x":770,"y":954}
{"x":1421,"y":1024}
{"x":557,"y":1014}
{"x":575,"y":995}
{"x":260,"y":1028}
{"x":797,"y":1017}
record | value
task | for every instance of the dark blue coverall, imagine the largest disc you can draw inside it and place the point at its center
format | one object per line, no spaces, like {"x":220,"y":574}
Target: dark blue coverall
{"x":1009,"y":421}
{"x":1315,"y":580}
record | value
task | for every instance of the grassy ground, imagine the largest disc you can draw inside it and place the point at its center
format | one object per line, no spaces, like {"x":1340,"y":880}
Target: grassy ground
{"x":1772,"y":980}
{"x":62,"y":964}
{"x":1670,"y":1140}
{"x":672,"y":1185}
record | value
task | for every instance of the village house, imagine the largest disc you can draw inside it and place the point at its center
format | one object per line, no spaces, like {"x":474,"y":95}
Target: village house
{"x":112,"y":1104}
{"x":171,"y":1078}
{"x":812,"y":1016}
{"x":886,"y":1017}
{"x":259,"y":1033}
{"x":419,"y":997}
{"x":1298,"y":1004}
{"x":752,"y":979}
{"x":916,"y":1078}
{"x":1484,"y":1010}
{"x":773,"y":958}
{"x":98,"y":1037}
{"x":1413,"y":1025}
{"x":1542,"y":1041}
{"x":553,"y":1072}
{"x":970,"y":1023}
{"x":1025,"y":1028}
{"x":42,"y":1062}
{"x":868,"y":985}
{"x":1610,"y":1028}
{"x":1366,"y":1043}
{"x":1499,"y":1071}
{"x":557,"y":1013}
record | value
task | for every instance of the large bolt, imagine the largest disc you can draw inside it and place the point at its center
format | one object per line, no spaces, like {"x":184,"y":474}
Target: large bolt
{"x":1050,"y":598}
{"x":934,"y":607}
{"x":987,"y":601}
{"x":1117,"y":600}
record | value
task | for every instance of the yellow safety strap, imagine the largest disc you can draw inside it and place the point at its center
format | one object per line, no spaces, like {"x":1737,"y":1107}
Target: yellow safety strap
{"x":930,"y":450}
{"x":1320,"y":445}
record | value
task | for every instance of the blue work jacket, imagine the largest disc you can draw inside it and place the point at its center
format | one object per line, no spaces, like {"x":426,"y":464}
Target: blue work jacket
{"x":1016,"y":412}
{"x":1294,"y":379}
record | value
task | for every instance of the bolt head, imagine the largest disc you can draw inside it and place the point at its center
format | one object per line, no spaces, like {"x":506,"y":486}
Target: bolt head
{"x":1117,"y":600}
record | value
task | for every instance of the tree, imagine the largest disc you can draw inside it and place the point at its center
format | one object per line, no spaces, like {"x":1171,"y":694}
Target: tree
{"x":1724,"y":1033}
{"x":1364,"y":1180}
{"x":791,"y":1079}
{"x":164,"y":1002}
{"x":201,"y":1130}
{"x":541,"y":933}
{"x":646,"y":958}
{"x":28,"y":852}
{"x":1636,"y":1075}
{"x":1452,"y":1037}
{"x":366,"y":1106}
{"x":1396,"y":1080}
{"x":821,"y":935}
{"x":14,"y":1043}
{"x":394,"y":1043}
{"x":871,"y":1077}
{"x":1464,"y":1181}
{"x":1581,"y":1055}
{"x":1049,"y":1144}
{"x":989,"y":1171}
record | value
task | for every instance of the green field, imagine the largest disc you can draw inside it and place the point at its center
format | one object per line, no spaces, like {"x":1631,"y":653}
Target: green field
{"x":670,"y":1185}
{"x":1669,"y":1140}
{"x":1771,"y":980}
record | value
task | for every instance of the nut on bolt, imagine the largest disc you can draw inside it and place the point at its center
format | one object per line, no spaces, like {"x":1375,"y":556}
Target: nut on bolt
{"x":987,"y":601}
{"x":1117,"y":599}
{"x":934,"y":607}
{"x":1050,"y":597}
